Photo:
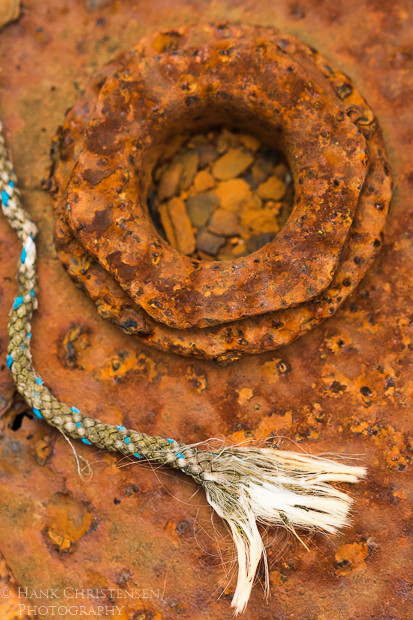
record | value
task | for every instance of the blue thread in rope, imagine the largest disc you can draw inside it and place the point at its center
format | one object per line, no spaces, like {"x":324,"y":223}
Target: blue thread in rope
{"x":11,"y":183}
{"x":32,"y":292}
{"x":9,"y":361}
{"x":78,"y":424}
{"x":75,"y":409}
{"x":127,"y":440}
{"x":5,"y":198}
{"x":39,"y":381}
{"x":37,"y":413}
{"x":86,"y":441}
{"x":17,"y":302}
{"x":138,"y":456}
{"x":23,"y":255}
{"x":121,"y":428}
{"x":180,"y":455}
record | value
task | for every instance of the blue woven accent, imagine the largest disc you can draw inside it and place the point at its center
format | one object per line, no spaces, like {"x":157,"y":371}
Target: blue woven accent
{"x":5,"y":198}
{"x":18,"y":302}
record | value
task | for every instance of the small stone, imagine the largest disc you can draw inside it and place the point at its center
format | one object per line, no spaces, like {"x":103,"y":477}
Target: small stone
{"x":158,"y":172}
{"x":266,"y":162}
{"x":169,"y":181}
{"x":167,"y":224}
{"x":226,"y":139}
{"x":231,"y":193}
{"x":200,"y":208}
{"x":272,"y":189}
{"x":257,"y":175}
{"x":207,"y":153}
{"x":281,"y":171}
{"x":208,"y":242}
{"x":239,"y":248}
{"x":203,"y":181}
{"x":184,"y":235}
{"x":234,"y":247}
{"x":275,"y":208}
{"x":250,"y":206}
{"x":224,"y":222}
{"x":260,"y":220}
{"x":226,"y":252}
{"x":255,"y":242}
{"x":189,"y":161}
{"x":251,"y":142}
{"x":265,"y":222}
{"x":233,"y":163}
{"x":197,"y":139}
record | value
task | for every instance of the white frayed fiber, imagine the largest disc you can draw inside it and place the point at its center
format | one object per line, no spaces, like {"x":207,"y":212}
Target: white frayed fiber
{"x":248,"y":486}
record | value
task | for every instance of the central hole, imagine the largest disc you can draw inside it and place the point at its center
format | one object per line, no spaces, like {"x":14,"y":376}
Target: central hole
{"x":221,"y":195}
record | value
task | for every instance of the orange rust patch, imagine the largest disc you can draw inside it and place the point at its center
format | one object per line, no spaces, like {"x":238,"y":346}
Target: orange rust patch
{"x":350,"y":558}
{"x":68,"y":521}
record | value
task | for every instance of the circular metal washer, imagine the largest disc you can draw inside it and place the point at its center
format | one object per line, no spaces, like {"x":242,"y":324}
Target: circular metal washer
{"x":278,"y":308}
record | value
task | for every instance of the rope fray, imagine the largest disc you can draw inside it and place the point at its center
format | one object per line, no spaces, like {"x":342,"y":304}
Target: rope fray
{"x":246,"y":486}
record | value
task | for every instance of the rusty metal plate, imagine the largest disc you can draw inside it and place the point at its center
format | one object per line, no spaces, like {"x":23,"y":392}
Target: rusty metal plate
{"x":344,"y":387}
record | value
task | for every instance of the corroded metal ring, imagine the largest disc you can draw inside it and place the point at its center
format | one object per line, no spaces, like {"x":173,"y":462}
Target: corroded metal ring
{"x":287,"y":94}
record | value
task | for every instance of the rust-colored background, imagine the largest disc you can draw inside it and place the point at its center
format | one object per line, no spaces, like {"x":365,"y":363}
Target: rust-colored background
{"x":345,"y":387}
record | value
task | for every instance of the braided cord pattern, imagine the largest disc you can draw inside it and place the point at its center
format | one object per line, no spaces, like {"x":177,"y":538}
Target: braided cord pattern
{"x":69,"y":420}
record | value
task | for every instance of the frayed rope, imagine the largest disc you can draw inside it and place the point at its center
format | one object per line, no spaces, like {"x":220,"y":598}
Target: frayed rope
{"x":277,"y":488}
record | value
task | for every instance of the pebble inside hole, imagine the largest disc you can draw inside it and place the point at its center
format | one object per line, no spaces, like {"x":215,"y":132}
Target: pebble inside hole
{"x":223,"y":194}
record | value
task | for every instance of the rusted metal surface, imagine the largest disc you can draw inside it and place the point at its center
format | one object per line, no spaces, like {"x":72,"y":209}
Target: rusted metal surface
{"x":344,"y":387}
{"x":119,"y":129}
